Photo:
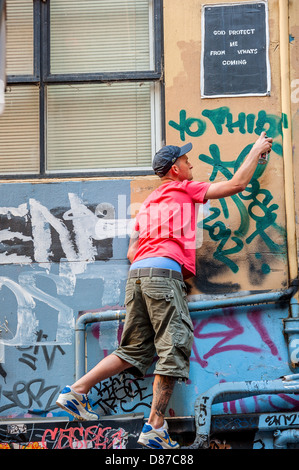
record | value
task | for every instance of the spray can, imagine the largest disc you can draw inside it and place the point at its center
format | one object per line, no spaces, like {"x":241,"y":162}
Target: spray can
{"x":263,"y":158}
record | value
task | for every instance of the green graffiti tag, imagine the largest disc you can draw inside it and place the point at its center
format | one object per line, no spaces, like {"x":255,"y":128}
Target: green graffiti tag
{"x":222,"y":118}
{"x":261,"y":210}
{"x":185,"y":124}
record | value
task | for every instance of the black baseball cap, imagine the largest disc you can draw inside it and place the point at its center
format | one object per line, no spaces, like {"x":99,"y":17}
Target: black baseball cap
{"x":167,"y":156}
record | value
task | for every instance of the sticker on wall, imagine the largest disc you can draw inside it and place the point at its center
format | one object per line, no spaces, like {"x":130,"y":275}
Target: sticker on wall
{"x":235,"y":50}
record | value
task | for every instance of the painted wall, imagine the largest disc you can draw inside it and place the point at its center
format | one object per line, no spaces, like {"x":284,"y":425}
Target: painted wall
{"x":244,"y":237}
{"x":63,"y":250}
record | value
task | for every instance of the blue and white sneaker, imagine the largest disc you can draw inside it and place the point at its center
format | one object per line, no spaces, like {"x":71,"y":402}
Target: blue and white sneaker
{"x":76,"y":404}
{"x":156,"y":439}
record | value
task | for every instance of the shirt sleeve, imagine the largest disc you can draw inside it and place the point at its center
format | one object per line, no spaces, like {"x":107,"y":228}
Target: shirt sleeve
{"x":197,"y":190}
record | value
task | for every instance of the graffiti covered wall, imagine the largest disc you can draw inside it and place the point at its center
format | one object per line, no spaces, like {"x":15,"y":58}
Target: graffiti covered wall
{"x":63,"y":251}
{"x":244,"y":236}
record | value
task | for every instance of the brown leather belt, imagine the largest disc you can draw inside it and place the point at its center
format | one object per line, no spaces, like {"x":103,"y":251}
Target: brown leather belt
{"x":150,"y":272}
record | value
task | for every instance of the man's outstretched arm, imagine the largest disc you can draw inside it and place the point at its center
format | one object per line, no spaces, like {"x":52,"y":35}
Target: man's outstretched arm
{"x":244,"y":174}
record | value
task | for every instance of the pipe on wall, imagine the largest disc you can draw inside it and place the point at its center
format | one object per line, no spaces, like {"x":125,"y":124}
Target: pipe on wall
{"x":231,"y":391}
{"x":220,"y":392}
{"x":195,"y":308}
{"x":80,"y":342}
{"x":283,"y":438}
{"x":291,"y":324}
{"x":254,"y":299}
{"x":287,"y":139}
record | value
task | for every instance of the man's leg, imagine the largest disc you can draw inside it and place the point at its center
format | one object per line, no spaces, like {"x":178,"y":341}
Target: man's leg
{"x":155,"y":432}
{"x":107,"y":367}
{"x":162,"y":391}
{"x":74,"y":400}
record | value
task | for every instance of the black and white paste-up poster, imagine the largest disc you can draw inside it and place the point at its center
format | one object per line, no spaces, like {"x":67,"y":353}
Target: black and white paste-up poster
{"x":235,"y":48}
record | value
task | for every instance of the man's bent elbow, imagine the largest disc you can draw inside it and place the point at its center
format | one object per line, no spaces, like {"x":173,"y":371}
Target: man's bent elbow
{"x":235,"y":189}
{"x":241,"y":187}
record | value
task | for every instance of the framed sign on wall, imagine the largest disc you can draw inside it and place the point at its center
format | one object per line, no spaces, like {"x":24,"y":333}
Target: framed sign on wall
{"x":235,"y":50}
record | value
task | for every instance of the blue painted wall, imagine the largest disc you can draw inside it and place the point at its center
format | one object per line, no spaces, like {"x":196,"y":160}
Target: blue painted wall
{"x":57,"y":258}
{"x":237,"y":344}
{"x":63,"y":251}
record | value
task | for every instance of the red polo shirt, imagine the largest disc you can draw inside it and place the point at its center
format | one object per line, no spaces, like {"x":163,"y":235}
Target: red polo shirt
{"x":167,"y":223}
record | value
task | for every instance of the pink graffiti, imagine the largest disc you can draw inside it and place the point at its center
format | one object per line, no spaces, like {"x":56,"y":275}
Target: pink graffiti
{"x":233,"y":329}
{"x":292,"y":401}
{"x":278,"y":403}
{"x":81,"y":438}
{"x":256,"y":319}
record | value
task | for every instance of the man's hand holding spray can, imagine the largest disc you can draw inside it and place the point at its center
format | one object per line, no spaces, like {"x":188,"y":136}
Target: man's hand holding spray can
{"x":264,"y":157}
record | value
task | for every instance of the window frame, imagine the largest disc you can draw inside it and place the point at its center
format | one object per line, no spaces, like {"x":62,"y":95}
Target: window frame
{"x":42,"y":77}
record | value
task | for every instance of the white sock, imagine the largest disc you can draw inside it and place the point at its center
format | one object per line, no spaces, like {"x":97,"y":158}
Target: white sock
{"x":76,"y":393}
{"x":160,"y":429}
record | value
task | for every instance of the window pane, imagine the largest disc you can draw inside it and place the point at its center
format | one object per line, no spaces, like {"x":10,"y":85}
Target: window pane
{"x":19,"y":130}
{"x":98,"y":126}
{"x":99,"y":36}
{"x":19,"y":37}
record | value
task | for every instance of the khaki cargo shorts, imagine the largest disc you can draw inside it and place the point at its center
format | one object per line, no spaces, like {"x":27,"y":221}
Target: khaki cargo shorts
{"x":157,"y":321}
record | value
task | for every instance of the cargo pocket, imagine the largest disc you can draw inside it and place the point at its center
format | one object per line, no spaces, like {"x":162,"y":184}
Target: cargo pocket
{"x":184,"y":336}
{"x":163,"y":294}
{"x":129,"y":294}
